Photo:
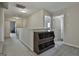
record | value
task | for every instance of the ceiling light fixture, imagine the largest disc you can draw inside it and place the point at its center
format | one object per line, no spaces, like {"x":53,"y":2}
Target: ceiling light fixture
{"x":23,"y":11}
{"x":16,"y":17}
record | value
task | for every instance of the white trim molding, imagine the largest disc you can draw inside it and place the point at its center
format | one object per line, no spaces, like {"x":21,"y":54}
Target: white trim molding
{"x":73,"y":45}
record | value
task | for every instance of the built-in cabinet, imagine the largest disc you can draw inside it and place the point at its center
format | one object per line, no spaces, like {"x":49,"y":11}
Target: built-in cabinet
{"x":43,"y":41}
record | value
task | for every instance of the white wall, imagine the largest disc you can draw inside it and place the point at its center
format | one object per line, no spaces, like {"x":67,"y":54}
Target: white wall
{"x":7,"y":29}
{"x":27,"y":37}
{"x":1,"y":24}
{"x":26,"y":22}
{"x":71,"y":25}
{"x":36,"y":20}
{"x":19,"y":23}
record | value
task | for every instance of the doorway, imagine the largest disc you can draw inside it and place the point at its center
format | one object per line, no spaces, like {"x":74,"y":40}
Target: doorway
{"x":12,"y":27}
{"x":58,"y":24}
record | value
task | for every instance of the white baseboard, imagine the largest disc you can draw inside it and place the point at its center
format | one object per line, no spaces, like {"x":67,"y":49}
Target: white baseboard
{"x":25,"y":44}
{"x":71,"y":45}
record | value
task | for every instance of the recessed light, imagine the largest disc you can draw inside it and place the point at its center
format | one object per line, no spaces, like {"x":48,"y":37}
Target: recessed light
{"x":16,"y":17}
{"x":23,"y":11}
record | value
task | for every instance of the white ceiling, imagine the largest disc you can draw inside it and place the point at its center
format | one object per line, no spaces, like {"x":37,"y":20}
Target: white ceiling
{"x":35,"y":6}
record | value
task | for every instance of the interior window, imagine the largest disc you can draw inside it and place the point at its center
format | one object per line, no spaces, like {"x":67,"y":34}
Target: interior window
{"x":47,"y":23}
